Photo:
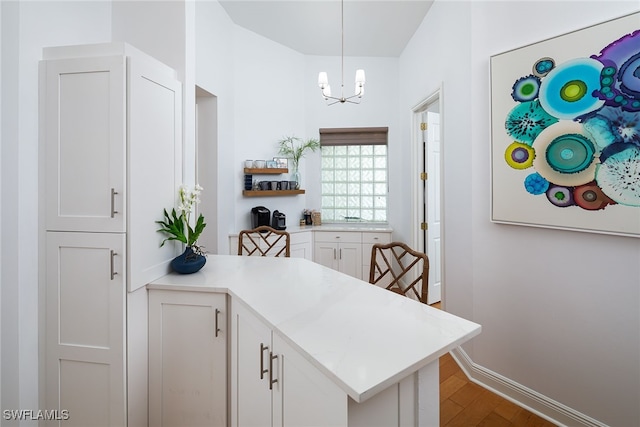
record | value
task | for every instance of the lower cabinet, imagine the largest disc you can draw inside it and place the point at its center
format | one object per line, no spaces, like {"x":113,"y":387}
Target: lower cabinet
{"x":187,"y":358}
{"x":86,"y":328}
{"x":265,"y":381}
{"x":347,"y":251}
{"x":272,"y":384}
{"x":302,"y":245}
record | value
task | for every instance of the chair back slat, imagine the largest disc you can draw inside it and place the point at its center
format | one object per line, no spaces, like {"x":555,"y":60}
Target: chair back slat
{"x":398,"y":268}
{"x":264,"y":241}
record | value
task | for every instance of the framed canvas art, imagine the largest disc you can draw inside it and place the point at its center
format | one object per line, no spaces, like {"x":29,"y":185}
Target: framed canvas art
{"x":565,"y":131}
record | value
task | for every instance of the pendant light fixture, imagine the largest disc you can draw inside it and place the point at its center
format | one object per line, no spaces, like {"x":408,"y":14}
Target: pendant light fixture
{"x":323,"y":79}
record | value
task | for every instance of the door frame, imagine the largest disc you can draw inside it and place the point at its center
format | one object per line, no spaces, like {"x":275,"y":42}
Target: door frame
{"x":416,"y":166}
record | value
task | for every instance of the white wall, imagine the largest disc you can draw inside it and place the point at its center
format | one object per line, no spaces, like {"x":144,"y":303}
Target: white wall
{"x":559,"y":310}
{"x":269,"y":104}
{"x":27,"y":27}
{"x":214,"y":72}
{"x":378,"y":107}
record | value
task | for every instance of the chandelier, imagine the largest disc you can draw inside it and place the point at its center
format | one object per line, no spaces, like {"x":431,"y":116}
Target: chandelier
{"x":323,"y":79}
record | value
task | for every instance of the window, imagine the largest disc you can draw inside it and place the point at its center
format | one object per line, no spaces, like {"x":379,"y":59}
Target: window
{"x":354,"y":174}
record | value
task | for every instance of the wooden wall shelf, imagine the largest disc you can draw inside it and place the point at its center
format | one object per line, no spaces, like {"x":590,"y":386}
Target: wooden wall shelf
{"x":265,"y":170}
{"x":263,"y":193}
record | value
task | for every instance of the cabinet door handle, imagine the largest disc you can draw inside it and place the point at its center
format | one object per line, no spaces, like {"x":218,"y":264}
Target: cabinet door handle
{"x":113,"y":202}
{"x":272,"y":381}
{"x":262,"y":370}
{"x":216,"y":323}
{"x":334,"y":253}
{"x":113,"y":272}
{"x":340,"y":253}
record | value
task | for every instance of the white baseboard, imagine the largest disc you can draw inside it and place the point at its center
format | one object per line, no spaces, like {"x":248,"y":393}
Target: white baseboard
{"x":531,"y":400}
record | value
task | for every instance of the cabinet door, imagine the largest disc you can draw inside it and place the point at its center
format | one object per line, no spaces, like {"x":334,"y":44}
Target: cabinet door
{"x":306,"y":397}
{"x":301,"y":250}
{"x":301,"y":245}
{"x":85,"y":328}
{"x":350,"y":259}
{"x":154,"y":118}
{"x":187,"y":359}
{"x":84,"y":137}
{"x":326,"y":253}
{"x":250,"y":359}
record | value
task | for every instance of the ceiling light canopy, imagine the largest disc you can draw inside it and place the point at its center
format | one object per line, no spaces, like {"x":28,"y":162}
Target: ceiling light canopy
{"x":323,"y":79}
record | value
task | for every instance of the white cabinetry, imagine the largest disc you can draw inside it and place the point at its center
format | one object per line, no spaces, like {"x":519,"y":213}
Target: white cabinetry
{"x":274,"y":385}
{"x":302,"y":245}
{"x":112,"y":147}
{"x":113,"y":144}
{"x":340,"y":251}
{"x":187,"y":359}
{"x":347,"y":251}
{"x":86,"y":327}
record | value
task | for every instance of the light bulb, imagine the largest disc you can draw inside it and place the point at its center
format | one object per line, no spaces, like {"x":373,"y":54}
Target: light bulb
{"x":323,"y":80}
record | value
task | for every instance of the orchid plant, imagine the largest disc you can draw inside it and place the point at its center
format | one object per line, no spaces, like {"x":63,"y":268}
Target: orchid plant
{"x":178,"y":225}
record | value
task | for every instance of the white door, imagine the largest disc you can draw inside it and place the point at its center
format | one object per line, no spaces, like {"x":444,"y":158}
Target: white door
{"x":307,"y":397}
{"x":430,"y":194}
{"x":350,"y":259}
{"x":84,"y":110}
{"x":326,"y":253}
{"x":187,"y":359}
{"x":85,"y":354}
{"x":250,"y":353}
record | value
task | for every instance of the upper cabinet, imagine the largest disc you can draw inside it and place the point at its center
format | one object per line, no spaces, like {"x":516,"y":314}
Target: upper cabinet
{"x":113,"y":143}
{"x":85,"y":140}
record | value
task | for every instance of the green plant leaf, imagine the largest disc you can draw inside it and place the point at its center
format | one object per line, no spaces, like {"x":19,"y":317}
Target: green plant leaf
{"x":172,"y":225}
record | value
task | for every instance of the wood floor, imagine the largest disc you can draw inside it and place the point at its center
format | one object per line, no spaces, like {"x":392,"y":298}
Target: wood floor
{"x":465,"y":404}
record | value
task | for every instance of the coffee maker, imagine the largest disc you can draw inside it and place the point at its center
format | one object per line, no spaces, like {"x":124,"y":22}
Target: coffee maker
{"x":278,"y":221}
{"x":260,"y":216}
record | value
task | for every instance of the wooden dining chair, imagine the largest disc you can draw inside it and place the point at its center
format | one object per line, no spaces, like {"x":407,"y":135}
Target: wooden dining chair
{"x":397,"y":267}
{"x":264,"y":241}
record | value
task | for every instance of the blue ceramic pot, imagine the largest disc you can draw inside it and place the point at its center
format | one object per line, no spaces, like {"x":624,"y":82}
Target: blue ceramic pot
{"x":188,"y":262}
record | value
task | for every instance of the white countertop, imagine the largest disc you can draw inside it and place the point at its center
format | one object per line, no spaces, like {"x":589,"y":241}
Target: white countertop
{"x":363,"y":337}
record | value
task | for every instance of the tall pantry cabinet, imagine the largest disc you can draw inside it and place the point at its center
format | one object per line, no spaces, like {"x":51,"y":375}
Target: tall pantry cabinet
{"x":111,"y":119}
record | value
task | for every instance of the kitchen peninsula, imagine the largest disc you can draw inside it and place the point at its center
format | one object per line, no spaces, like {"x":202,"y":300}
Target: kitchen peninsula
{"x":306,"y":345}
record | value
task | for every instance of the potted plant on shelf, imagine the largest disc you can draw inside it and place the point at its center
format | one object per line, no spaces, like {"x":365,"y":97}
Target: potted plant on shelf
{"x":178,"y":227}
{"x":295,"y":149}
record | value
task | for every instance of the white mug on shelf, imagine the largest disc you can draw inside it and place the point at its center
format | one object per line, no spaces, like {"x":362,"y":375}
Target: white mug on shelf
{"x":248,"y":163}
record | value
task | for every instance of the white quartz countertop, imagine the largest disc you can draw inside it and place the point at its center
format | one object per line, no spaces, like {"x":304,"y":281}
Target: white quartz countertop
{"x":363,"y":337}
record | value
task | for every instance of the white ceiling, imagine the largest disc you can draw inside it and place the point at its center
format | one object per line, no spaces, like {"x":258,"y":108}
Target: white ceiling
{"x":313,"y":27}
